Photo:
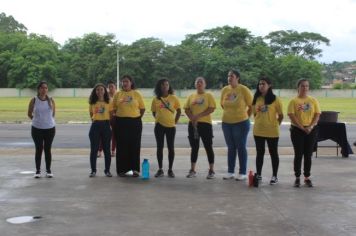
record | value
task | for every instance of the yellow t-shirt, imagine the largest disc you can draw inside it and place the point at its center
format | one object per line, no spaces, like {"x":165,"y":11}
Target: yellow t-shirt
{"x":100,"y":111}
{"x":165,"y":116}
{"x":304,"y":109}
{"x":198,"y":103}
{"x":128,"y":104}
{"x":266,"y":118}
{"x":235,"y":102}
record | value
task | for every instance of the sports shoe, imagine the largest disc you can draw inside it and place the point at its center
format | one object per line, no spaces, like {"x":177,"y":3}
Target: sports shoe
{"x":229,"y":176}
{"x":107,"y":173}
{"x":211,"y":175}
{"x":92,"y":174}
{"x":37,"y":175}
{"x":159,"y":173}
{"x":135,"y":174}
{"x":308,"y":183}
{"x":171,"y":174}
{"x":192,"y":174}
{"x":297,"y":183}
{"x":274,"y":180}
{"x":122,"y":174}
{"x":49,"y":174}
{"x":241,"y":177}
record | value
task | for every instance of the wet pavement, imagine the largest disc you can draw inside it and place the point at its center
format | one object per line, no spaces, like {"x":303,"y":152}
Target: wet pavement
{"x":73,"y":204}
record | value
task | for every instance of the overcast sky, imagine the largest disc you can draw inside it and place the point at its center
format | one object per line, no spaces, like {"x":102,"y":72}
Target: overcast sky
{"x":171,"y":20}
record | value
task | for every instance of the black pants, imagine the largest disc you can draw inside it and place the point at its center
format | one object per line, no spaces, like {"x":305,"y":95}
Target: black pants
{"x":43,"y":139}
{"x":303,"y":147}
{"x":100,"y":132}
{"x":170,"y":133}
{"x":205,"y":131}
{"x":273,"y":151}
{"x":128,"y":144}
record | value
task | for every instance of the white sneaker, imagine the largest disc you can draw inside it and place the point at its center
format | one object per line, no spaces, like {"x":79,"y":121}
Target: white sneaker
{"x":229,"y":176}
{"x":241,"y":177}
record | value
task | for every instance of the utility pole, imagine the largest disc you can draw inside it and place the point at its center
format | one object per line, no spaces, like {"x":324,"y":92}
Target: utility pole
{"x":117,"y":68}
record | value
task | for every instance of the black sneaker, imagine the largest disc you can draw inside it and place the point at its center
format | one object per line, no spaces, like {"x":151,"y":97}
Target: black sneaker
{"x":274,"y":180}
{"x":122,"y":174}
{"x":107,"y":173}
{"x":136,"y":174}
{"x":171,"y":174}
{"x":308,"y":183}
{"x":297,"y":183}
{"x":92,"y":174}
{"x":211,"y":175}
{"x":37,"y":175}
{"x":160,"y":173}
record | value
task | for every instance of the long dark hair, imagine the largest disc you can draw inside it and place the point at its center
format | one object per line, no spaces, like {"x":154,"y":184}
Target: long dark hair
{"x":270,"y":97}
{"x":48,"y":99}
{"x":94,"y":98}
{"x":133,"y":86}
{"x":158,"y":88}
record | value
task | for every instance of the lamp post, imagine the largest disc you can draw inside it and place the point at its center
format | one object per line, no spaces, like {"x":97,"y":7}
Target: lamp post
{"x":117,"y":68}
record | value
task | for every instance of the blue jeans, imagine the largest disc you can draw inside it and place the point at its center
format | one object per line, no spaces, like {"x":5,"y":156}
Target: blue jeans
{"x":236,"y":138}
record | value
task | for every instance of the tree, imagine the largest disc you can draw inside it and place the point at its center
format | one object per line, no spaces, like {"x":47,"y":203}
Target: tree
{"x":9,"y":25}
{"x":303,"y":44}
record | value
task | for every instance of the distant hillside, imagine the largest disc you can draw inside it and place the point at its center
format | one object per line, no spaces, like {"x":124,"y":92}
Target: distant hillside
{"x":340,"y":71}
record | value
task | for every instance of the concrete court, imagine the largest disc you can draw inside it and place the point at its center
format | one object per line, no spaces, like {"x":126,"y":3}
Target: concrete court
{"x":73,"y":204}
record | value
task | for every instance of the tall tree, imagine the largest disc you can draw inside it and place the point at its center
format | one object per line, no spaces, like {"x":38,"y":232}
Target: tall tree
{"x":303,"y":44}
{"x":9,"y":25}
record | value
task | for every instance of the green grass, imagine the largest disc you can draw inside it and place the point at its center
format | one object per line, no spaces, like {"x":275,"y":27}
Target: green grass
{"x":14,"y":110}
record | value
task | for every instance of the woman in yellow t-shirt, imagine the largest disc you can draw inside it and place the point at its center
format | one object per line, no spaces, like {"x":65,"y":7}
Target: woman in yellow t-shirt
{"x":128,"y":107}
{"x":268,"y":114}
{"x":166,"y":110}
{"x":304,"y":112}
{"x":236,"y":101}
{"x":198,"y":108}
{"x":99,"y":111}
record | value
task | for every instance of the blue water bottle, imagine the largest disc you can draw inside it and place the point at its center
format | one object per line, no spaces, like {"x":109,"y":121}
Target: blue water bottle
{"x":145,"y":169}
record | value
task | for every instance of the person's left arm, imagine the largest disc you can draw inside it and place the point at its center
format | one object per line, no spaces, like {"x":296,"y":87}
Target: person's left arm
{"x":53,"y":107}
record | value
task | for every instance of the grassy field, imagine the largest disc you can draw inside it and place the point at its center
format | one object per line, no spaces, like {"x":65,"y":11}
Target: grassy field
{"x":14,"y":110}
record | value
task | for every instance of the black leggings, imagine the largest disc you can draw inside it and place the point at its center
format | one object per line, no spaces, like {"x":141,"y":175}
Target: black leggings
{"x":273,"y":151}
{"x":170,"y":133}
{"x":303,"y":145}
{"x":43,"y":139}
{"x":205,"y":131}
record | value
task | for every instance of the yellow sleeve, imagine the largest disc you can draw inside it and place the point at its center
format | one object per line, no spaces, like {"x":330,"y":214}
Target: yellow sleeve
{"x":141,"y":104}
{"x":291,"y":107}
{"x":187,"y":103}
{"x":176,"y":103}
{"x":279,"y":106}
{"x":223,"y":91}
{"x":211,"y":101}
{"x":317,"y":106}
{"x":114,"y":101}
{"x":153,"y":107}
{"x":248,"y":96}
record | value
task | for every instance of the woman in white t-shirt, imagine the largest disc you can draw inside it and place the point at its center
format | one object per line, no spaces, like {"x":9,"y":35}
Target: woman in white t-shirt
{"x":41,"y":111}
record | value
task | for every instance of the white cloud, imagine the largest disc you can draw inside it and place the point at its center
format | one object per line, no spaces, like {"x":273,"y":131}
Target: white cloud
{"x":172,"y":20}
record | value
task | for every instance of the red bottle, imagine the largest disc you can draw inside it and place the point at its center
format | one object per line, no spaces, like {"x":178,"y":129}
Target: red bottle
{"x":250,"y":178}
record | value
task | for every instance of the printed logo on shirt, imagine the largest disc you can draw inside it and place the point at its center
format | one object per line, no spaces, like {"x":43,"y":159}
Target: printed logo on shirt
{"x":127,"y":99}
{"x":231,"y":97}
{"x":262,"y":108}
{"x":167,"y":105}
{"x":99,"y":110}
{"x":304,"y":107}
{"x":198,"y":101}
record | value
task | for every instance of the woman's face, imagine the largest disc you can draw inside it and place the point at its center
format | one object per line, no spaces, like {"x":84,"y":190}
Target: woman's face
{"x":165,"y":87}
{"x":303,"y":88}
{"x":100,"y":91}
{"x":126,"y":84}
{"x":263,"y":87}
{"x":200,"y":84}
{"x":43,"y":90}
{"x":112,"y":88}
{"x":232,"y":79}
